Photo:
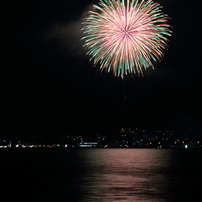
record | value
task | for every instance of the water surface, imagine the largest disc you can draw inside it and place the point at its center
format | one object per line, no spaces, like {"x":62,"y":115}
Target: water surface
{"x":84,"y":175}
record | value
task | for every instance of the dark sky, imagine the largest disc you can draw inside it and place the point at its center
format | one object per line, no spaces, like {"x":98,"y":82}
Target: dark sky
{"x":48,"y":84}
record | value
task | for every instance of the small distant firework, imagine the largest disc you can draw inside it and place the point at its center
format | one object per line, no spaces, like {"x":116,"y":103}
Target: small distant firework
{"x":125,"y":36}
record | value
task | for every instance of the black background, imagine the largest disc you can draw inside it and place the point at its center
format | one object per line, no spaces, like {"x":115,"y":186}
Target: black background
{"x":48,"y":85}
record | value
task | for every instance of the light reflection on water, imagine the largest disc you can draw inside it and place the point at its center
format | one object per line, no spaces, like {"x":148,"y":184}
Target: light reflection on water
{"x":126,"y":175}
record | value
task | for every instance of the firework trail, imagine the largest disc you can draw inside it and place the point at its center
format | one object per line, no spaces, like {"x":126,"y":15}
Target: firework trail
{"x":126,"y":36}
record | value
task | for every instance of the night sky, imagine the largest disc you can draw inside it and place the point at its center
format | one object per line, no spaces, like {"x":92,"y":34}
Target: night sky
{"x":48,"y":85}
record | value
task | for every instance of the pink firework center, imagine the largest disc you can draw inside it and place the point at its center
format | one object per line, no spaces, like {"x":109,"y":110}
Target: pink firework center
{"x":125,"y":37}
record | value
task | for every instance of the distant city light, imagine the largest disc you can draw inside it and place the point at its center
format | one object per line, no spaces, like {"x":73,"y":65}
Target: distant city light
{"x":117,"y":140}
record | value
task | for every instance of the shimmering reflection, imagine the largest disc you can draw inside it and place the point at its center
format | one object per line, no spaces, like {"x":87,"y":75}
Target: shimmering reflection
{"x":127,"y":175}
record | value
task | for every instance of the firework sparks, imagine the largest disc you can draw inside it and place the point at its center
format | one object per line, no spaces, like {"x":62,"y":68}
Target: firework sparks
{"x":126,"y":36}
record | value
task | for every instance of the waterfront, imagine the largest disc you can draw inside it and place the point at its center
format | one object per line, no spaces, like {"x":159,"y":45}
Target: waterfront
{"x":83,"y":175}
{"x":137,"y":138}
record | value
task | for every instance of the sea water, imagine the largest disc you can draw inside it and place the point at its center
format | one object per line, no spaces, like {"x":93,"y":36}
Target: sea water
{"x":99,"y":175}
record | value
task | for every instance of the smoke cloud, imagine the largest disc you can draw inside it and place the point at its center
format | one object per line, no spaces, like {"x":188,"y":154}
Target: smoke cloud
{"x":69,"y":34}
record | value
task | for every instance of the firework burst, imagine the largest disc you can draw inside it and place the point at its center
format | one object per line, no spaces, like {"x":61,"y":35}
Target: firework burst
{"x":125,"y":36}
